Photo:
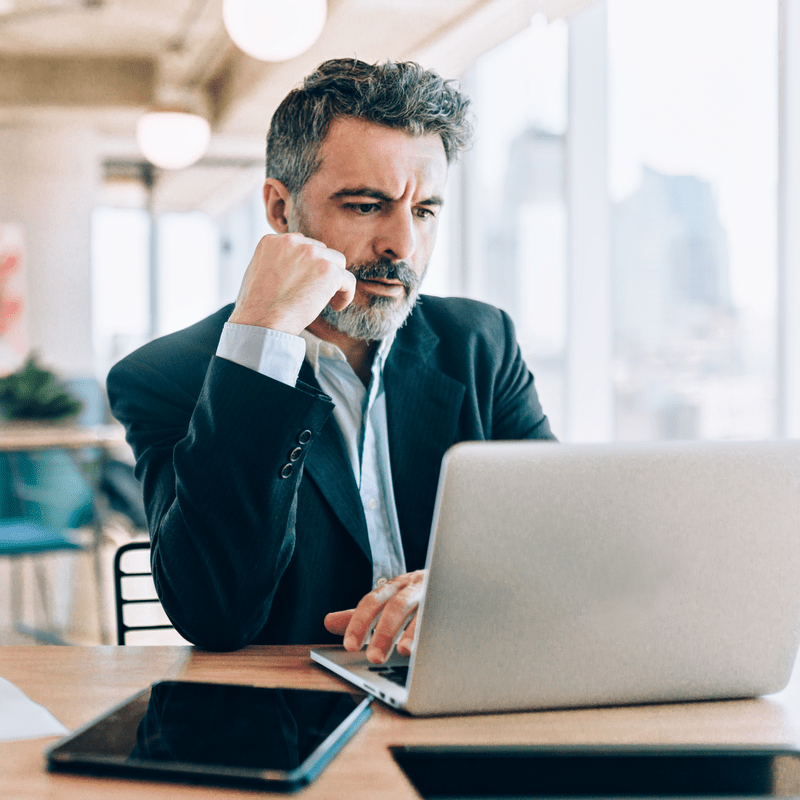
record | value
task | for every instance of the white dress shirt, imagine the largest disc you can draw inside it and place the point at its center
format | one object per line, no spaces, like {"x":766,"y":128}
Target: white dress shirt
{"x":360,"y":413}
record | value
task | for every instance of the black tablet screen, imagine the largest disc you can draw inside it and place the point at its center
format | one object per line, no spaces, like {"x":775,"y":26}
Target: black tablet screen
{"x":639,"y":771}
{"x":182,"y":729}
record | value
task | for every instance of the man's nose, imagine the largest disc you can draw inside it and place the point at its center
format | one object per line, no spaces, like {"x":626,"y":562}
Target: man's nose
{"x":397,"y":238}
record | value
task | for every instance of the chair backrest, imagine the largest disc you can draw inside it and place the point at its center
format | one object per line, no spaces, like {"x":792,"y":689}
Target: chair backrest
{"x":92,"y":395}
{"x":140,"y":617}
{"x":50,"y":488}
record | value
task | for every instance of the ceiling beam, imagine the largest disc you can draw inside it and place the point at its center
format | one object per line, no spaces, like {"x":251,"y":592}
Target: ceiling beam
{"x":241,"y":85}
{"x":453,"y":47}
{"x":77,"y":81}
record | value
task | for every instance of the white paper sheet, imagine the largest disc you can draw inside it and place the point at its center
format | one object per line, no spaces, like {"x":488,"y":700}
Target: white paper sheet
{"x":21,"y":718}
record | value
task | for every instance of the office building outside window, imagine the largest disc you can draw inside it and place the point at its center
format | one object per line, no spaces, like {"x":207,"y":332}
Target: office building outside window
{"x":692,"y":150}
{"x":693,"y":183}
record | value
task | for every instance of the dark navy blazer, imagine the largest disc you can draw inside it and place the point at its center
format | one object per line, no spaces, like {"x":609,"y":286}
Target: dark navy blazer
{"x":255,"y":517}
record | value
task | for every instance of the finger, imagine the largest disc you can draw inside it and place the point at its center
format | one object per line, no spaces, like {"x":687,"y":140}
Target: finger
{"x":344,"y":296}
{"x":382,"y":648}
{"x":407,"y":639}
{"x":372,"y":604}
{"x":393,"y":619}
{"x":334,"y":256}
{"x":367,"y":610}
{"x":336,"y":622}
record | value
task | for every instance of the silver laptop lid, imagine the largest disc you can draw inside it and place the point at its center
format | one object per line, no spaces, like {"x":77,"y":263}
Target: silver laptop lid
{"x":567,"y":575}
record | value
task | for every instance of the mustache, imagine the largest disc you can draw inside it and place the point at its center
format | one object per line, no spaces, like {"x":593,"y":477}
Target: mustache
{"x":386,"y":269}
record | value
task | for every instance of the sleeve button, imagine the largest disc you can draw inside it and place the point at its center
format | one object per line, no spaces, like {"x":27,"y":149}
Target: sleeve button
{"x":304,"y":437}
{"x":286,"y":470}
{"x":295,"y":454}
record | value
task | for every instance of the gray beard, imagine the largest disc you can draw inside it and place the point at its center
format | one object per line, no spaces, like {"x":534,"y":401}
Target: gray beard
{"x":381,"y":318}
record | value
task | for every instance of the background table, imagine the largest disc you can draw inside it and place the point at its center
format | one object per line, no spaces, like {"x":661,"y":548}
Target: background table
{"x":27,"y":436}
{"x":79,"y":683}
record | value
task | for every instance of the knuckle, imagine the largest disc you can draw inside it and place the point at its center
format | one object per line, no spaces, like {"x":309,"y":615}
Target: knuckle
{"x":390,"y":615}
{"x":366,"y":607}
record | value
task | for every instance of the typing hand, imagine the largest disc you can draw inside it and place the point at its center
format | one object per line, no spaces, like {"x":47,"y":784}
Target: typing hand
{"x":288,"y":282}
{"x":388,"y":608}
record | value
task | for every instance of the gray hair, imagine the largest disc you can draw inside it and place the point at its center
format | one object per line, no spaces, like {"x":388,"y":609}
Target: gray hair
{"x":400,"y":95}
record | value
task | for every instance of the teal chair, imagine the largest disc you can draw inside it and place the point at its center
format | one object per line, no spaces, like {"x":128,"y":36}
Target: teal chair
{"x":44,"y":498}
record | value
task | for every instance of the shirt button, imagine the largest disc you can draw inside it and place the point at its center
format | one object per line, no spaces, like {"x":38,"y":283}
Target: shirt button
{"x":295,"y":454}
{"x":372,"y":504}
{"x":286,"y":470}
{"x":304,"y":437}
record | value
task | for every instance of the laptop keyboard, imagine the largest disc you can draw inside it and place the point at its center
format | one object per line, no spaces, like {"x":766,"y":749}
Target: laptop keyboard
{"x":398,"y":675}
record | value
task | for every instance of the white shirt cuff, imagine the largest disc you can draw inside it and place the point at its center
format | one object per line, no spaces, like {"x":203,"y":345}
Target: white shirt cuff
{"x":275,"y":354}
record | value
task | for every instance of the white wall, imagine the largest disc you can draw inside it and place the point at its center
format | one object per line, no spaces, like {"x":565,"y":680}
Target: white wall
{"x":49,"y":175}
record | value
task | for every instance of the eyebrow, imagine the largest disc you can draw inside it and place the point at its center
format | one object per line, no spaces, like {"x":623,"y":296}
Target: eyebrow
{"x":377,"y":194}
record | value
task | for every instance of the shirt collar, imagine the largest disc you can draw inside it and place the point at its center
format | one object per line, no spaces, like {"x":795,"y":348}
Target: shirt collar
{"x":318,"y":349}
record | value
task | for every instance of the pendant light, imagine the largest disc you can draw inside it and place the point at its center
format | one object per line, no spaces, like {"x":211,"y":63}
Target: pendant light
{"x":173,"y":139}
{"x":274,"y":30}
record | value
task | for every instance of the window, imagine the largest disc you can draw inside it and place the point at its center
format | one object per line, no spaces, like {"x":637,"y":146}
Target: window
{"x":684,"y":273}
{"x":120,"y":283}
{"x":199,"y":264}
{"x":693,"y":183}
{"x":188,"y":269}
{"x":514,"y":189}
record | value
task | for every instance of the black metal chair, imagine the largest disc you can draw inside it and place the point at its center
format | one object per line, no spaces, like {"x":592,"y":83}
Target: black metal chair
{"x":137,"y":605}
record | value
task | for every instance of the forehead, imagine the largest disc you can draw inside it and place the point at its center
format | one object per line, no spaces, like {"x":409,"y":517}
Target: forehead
{"x":356,"y":153}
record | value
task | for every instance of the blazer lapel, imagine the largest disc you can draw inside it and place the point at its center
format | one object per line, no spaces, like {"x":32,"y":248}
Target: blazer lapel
{"x":328,"y":466}
{"x":423,"y":408}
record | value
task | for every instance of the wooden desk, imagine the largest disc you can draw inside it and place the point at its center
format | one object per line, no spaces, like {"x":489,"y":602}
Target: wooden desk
{"x":79,"y":683}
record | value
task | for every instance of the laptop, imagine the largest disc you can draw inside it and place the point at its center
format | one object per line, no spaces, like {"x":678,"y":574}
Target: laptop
{"x":590,"y":575}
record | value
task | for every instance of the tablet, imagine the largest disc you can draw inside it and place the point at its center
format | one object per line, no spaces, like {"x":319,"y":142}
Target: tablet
{"x":601,"y":771}
{"x":215,"y":733}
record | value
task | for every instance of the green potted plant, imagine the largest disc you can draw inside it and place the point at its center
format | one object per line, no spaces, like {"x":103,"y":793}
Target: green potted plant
{"x":34,"y":393}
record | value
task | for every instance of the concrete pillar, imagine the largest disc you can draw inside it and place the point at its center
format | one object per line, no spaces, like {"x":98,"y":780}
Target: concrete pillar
{"x":49,"y":177}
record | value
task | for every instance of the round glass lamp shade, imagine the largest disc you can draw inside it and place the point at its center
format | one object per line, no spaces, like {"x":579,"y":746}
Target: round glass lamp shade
{"x":173,"y":139}
{"x":274,"y":30}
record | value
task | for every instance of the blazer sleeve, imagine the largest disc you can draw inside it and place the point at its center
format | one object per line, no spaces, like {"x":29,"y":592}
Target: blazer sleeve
{"x":221,"y":510}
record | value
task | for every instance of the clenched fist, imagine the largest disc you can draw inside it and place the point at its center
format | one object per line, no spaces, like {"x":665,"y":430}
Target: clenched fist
{"x":288,"y":282}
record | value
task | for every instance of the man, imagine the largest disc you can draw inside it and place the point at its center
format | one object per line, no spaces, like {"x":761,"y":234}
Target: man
{"x":289,"y":446}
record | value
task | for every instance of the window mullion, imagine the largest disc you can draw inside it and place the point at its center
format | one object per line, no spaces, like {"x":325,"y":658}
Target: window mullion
{"x":589,"y":380}
{"x":788,"y":410}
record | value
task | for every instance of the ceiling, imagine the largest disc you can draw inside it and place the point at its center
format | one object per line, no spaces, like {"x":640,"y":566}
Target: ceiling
{"x":107,"y":61}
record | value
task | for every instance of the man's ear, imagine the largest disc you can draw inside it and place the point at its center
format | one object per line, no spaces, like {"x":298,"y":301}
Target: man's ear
{"x":278,"y":205}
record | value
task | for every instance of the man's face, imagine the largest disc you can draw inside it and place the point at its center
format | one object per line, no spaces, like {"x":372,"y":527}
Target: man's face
{"x":376,"y":199}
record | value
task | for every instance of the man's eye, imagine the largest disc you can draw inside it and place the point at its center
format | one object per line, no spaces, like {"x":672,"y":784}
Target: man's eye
{"x":426,"y":213}
{"x":364,"y":208}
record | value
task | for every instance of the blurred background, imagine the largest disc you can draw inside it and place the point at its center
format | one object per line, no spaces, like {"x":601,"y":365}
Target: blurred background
{"x":632,"y":198}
